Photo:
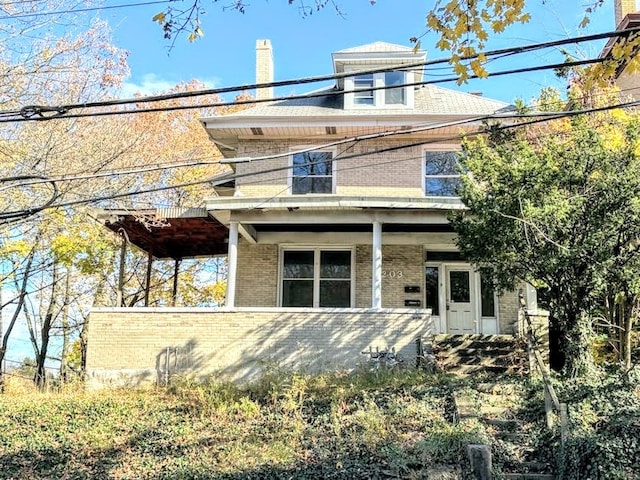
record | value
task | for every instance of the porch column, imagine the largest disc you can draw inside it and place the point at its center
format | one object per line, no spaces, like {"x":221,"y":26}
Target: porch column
{"x":176,"y":272}
{"x":232,"y":259}
{"x":147,"y":284}
{"x":123,"y":258}
{"x":376,"y":267}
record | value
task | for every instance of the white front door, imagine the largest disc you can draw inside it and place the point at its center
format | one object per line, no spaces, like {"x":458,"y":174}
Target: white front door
{"x":459,"y":298}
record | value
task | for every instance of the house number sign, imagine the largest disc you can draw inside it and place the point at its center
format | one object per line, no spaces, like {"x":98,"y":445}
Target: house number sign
{"x":392,"y":274}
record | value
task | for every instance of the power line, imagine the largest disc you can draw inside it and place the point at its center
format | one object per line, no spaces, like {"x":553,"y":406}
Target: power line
{"x":62,"y":111}
{"x":80,"y":10}
{"x":38,"y":112}
{"x":218,"y":180}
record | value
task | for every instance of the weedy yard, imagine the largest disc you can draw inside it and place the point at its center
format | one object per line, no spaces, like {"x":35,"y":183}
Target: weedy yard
{"x":289,"y":426}
{"x":286,"y":426}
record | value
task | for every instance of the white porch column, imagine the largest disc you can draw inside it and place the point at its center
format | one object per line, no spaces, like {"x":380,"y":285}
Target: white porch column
{"x":376,"y":267}
{"x":232,"y":260}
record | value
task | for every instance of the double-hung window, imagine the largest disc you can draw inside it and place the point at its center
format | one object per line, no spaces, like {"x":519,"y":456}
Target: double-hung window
{"x":312,"y":172}
{"x":362,"y":96}
{"x":441,"y":173}
{"x":317,"y":278}
{"x":384,"y":89}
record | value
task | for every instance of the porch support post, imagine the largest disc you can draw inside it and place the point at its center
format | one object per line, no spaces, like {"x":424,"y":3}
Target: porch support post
{"x":376,"y":268}
{"x":147,"y":284}
{"x":176,"y":271}
{"x":123,"y":258}
{"x":232,"y":259}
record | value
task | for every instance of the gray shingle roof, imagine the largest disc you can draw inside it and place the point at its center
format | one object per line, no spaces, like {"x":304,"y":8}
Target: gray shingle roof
{"x":429,"y":100}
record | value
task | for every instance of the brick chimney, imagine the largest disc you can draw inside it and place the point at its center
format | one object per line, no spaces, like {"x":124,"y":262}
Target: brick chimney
{"x":264,"y":68}
{"x":623,"y":8}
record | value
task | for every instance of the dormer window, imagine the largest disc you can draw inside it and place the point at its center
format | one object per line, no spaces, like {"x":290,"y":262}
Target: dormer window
{"x":362,"y":96}
{"x":380,"y":90}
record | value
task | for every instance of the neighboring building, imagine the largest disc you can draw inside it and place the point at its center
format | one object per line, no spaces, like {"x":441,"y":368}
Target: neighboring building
{"x":337,"y":238}
{"x":627,"y":16}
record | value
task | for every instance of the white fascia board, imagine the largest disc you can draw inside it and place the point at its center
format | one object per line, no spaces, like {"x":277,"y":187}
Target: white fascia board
{"x":332,"y":202}
{"x":361,"y":120}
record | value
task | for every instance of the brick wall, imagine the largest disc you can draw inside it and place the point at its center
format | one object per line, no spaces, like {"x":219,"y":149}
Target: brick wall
{"x":402,"y":266}
{"x":138,"y":346}
{"x":622,"y":8}
{"x":395,"y":173}
{"x":629,"y":84}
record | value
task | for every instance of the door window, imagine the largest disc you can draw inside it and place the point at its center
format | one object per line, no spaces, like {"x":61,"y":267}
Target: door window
{"x":459,"y":288}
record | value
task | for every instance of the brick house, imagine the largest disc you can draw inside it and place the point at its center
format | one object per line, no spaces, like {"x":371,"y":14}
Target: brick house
{"x":335,"y":227}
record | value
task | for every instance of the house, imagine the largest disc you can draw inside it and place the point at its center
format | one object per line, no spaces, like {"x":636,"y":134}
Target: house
{"x":335,"y":227}
{"x":627,"y":16}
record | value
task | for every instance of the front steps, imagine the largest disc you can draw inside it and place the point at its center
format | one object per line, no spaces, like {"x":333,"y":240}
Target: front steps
{"x":474,"y":354}
{"x":479,"y":361}
{"x":514,"y":448}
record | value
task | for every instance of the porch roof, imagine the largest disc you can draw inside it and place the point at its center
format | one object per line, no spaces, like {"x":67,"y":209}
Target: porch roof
{"x":179,"y":233}
{"x":170,"y":233}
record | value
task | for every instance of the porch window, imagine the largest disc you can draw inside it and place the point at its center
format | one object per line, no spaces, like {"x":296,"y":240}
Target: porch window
{"x":312,"y":172}
{"x":487,"y":295}
{"x":431,"y":290}
{"x":316,"y":278}
{"x":441,"y":174}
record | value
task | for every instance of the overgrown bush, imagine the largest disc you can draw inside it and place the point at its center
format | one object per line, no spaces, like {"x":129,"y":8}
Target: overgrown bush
{"x":605,"y":428}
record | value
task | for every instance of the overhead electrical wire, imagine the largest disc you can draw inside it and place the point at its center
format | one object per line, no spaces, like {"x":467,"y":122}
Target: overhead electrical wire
{"x":63,"y":115}
{"x":221,"y":179}
{"x":38,"y":112}
{"x":80,"y":10}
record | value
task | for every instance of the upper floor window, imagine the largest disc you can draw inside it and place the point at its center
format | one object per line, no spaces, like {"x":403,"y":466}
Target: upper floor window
{"x":362,"y":96}
{"x":441,"y":174}
{"x":312,"y":172}
{"x":389,"y":90}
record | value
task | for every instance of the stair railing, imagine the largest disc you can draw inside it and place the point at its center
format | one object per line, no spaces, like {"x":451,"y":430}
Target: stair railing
{"x":551,"y":401}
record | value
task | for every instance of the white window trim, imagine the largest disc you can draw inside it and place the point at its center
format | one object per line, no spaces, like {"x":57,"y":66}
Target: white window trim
{"x":379,"y":94}
{"x":436,"y":148}
{"x":316,"y":271}
{"x":334,"y":169}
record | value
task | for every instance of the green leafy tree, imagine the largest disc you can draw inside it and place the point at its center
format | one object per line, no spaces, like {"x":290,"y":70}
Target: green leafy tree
{"x":558,"y":205}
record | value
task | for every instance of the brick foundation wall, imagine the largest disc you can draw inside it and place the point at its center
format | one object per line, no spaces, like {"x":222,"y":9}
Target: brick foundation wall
{"x":142,"y":346}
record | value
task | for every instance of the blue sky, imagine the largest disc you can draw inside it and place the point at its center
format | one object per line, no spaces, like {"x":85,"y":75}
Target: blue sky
{"x":303,"y":46}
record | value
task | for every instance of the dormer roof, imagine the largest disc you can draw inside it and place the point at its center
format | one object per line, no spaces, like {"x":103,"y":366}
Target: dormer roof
{"x":376,"y":55}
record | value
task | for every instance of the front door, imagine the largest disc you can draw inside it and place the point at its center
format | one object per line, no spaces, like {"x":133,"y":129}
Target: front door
{"x":460,"y":308}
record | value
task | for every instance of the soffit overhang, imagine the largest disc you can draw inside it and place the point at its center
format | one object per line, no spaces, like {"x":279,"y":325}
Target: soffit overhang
{"x":229,"y":133}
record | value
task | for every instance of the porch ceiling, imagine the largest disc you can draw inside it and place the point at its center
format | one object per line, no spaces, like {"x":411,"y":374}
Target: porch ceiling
{"x":177,"y":237}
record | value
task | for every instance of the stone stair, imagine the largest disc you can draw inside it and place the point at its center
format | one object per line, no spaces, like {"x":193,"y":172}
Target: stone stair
{"x":473,"y":354}
{"x":513,"y":448}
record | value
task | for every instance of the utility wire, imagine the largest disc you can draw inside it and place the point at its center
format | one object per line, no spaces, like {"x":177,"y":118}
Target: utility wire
{"x":221,"y":179}
{"x":62,"y":113}
{"x":37,"y":112}
{"x":203,"y":161}
{"x":81,"y":10}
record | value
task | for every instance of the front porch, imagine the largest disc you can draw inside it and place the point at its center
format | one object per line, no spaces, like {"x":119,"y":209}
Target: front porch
{"x":146,"y":346}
